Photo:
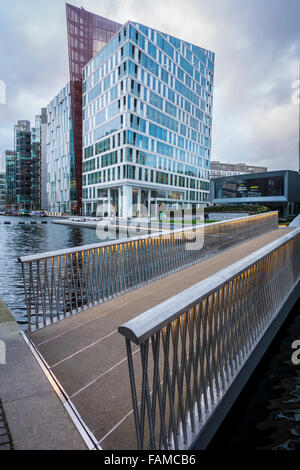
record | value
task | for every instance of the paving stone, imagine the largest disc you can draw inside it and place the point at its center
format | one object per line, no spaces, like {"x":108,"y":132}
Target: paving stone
{"x":33,"y":416}
{"x":40,"y":427}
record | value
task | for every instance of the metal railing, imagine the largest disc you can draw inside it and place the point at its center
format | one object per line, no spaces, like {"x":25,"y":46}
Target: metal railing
{"x":64,"y":282}
{"x":193,"y":346}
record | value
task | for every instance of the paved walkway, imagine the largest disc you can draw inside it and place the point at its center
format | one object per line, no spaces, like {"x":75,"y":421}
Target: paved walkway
{"x":87,"y":355}
{"x":32,"y":417}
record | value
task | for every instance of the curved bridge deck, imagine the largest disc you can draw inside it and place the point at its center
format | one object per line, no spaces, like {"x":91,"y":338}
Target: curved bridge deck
{"x":87,"y":356}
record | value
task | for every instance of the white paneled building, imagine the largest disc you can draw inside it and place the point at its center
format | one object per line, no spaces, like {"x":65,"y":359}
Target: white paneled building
{"x":61,"y":187}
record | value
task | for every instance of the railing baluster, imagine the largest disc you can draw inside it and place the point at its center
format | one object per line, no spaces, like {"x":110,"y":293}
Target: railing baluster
{"x":207,"y":337}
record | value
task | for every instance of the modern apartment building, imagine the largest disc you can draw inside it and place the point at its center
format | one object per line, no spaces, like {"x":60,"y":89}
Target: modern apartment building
{"x":147,"y":120}
{"x":219,"y":169}
{"x":61,"y":181}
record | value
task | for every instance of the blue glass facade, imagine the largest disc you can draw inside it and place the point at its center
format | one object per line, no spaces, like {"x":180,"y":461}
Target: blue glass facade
{"x":147,"y":120}
{"x":277,"y":190}
{"x":61,"y":181}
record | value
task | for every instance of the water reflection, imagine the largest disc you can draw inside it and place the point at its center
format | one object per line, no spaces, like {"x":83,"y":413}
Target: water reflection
{"x":76,"y":237}
{"x":19,"y":240}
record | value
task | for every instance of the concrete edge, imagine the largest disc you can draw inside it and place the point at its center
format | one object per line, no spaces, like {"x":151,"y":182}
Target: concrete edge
{"x":84,"y":431}
{"x":29,"y":399}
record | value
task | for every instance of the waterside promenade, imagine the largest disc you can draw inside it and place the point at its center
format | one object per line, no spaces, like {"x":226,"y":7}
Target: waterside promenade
{"x":32,"y":416}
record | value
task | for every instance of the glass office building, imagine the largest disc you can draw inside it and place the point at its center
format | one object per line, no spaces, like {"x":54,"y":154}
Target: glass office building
{"x":253,"y":188}
{"x":278,"y":190}
{"x":87,"y":34}
{"x":61,"y":181}
{"x":36,"y":163}
{"x":147,"y":124}
{"x":26,"y":165}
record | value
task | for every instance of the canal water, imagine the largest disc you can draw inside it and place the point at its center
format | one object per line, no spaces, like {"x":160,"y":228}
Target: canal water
{"x":19,"y":240}
{"x":266,"y":415}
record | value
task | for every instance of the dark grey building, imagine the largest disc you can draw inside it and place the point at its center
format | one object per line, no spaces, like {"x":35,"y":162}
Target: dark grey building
{"x":39,"y":161}
{"x":278,"y":190}
{"x":2,"y":190}
{"x":23,"y":166}
{"x":10,"y":163}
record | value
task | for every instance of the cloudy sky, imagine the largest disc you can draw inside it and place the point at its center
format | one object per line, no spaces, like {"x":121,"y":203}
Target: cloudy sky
{"x":257,"y":47}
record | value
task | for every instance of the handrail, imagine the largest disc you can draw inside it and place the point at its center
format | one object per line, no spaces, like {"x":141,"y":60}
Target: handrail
{"x":49,"y":254}
{"x":194,"y":346}
{"x":63,"y":282}
{"x":153,"y":320}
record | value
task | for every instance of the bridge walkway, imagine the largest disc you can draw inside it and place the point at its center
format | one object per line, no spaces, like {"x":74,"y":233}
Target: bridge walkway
{"x":87,"y":356}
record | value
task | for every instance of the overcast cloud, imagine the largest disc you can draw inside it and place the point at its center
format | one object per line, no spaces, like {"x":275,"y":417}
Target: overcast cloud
{"x":257,"y":47}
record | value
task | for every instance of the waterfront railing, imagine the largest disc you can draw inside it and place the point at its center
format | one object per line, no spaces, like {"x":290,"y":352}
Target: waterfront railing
{"x":60,"y":283}
{"x":195,"y":347}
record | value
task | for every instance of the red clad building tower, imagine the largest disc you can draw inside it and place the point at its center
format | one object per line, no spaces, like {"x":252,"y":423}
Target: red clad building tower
{"x":87,"y":35}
